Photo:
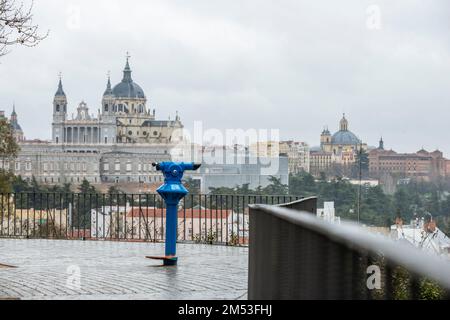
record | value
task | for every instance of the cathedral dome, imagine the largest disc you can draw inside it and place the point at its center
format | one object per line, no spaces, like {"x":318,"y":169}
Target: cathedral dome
{"x":345,"y":137}
{"x":127,"y":88}
{"x":15,"y":126}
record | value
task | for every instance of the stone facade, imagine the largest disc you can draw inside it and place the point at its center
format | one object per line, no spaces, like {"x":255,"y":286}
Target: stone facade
{"x":298,"y":155}
{"x":422,"y":165}
{"x":320,"y":161}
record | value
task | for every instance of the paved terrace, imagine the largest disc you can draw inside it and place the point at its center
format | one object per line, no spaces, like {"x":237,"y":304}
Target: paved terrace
{"x":119,"y":270}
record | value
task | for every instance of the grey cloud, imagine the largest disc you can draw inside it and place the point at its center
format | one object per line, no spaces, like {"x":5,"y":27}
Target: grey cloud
{"x":293,"y":65}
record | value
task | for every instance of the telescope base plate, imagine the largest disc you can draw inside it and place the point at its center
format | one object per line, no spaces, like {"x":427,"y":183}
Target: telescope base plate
{"x":167,"y":261}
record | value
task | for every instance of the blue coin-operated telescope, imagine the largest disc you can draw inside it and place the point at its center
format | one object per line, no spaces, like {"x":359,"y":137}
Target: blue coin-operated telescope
{"x":172,"y":191}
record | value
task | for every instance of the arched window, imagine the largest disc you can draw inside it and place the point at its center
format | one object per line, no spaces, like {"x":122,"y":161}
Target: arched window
{"x":106,"y":108}
{"x":57,"y":108}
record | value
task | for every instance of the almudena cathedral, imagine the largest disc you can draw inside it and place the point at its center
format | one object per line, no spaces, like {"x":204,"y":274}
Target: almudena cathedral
{"x":119,"y":145}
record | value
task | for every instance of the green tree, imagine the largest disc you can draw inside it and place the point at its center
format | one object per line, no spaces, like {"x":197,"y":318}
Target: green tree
{"x":8,"y":145}
{"x":20,"y":185}
{"x":86,"y":200}
{"x":403,"y":203}
{"x":302,"y":184}
{"x":222,"y":190}
{"x":87,"y":188}
{"x":361,"y":165}
{"x":8,"y":151}
{"x":193,"y":185}
{"x":275,"y":187}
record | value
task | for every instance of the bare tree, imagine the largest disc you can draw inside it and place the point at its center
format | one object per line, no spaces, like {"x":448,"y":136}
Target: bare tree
{"x":16,"y":26}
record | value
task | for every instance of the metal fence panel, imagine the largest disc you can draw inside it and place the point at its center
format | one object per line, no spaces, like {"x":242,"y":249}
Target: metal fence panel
{"x":210,"y":219}
{"x":295,"y":255}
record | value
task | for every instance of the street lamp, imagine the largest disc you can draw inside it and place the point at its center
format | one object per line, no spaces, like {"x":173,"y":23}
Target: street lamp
{"x":360,"y":179}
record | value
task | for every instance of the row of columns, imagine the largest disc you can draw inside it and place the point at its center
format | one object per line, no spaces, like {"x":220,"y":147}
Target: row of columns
{"x":83,"y":135}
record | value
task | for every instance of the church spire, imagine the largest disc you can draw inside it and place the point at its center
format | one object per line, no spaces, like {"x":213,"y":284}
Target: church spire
{"x":381,"y":144}
{"x":14,"y":114}
{"x":127,"y":70}
{"x":108,"y":90}
{"x":60,"y":91}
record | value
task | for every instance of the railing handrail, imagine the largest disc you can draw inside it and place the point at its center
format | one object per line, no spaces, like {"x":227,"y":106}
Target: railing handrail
{"x":308,"y":204}
{"x":353,"y":236}
{"x":289,"y":204}
{"x":154,"y":193}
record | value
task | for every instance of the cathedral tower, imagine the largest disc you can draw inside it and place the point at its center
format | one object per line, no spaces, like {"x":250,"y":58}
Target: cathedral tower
{"x":325,"y":138}
{"x":108,"y":100}
{"x":59,"y":114}
{"x":381,"y":144}
{"x":59,"y":104}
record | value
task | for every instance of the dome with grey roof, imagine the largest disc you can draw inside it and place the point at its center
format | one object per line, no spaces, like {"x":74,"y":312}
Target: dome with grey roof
{"x":15,"y":126}
{"x":127,"y":88}
{"x":345,"y":137}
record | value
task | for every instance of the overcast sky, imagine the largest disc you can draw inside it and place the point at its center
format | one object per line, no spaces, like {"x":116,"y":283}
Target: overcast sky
{"x":286,"y":64}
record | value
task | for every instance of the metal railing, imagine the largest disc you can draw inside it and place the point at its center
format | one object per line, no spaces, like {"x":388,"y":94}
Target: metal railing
{"x":211,"y":219}
{"x":295,"y":255}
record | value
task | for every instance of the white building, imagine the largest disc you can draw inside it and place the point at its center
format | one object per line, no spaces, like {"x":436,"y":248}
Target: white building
{"x":423,"y":235}
{"x":298,"y":154}
{"x":107,"y":218}
{"x":328,"y":213}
